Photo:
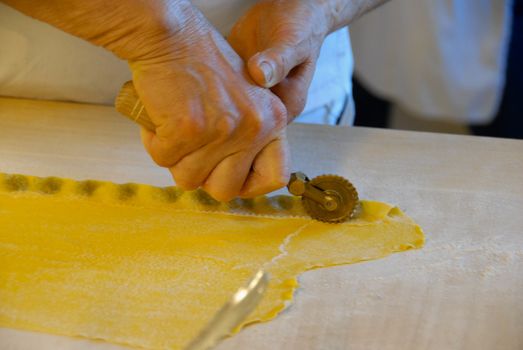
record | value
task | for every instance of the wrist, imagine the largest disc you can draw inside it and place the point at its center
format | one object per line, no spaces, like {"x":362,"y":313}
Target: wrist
{"x":162,"y":29}
{"x":341,"y":13}
{"x":331,"y":10}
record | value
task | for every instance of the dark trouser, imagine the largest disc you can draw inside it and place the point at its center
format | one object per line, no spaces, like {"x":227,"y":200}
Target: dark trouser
{"x":509,"y":118}
{"x":375,"y":112}
{"x":371,"y":110}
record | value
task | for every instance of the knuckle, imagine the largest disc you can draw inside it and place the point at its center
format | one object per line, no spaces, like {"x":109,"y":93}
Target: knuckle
{"x":220,"y":195}
{"x":192,"y":128}
{"x":297,"y":106}
{"x":255,"y":125}
{"x":226,"y":126}
{"x":163,"y":151}
{"x":260,"y":122}
{"x":251,"y":123}
{"x":186,"y":184}
{"x":279,"y":114}
{"x":162,"y":158}
{"x":185,"y":180}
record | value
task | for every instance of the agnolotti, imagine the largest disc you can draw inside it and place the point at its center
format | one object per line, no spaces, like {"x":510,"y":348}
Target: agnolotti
{"x":146,"y":266}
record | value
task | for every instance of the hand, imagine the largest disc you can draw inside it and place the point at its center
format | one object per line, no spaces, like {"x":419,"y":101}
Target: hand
{"x":281,"y":41}
{"x":215,"y":128}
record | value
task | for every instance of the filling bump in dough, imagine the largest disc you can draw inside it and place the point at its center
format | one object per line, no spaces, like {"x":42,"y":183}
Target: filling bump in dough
{"x":147,"y":266}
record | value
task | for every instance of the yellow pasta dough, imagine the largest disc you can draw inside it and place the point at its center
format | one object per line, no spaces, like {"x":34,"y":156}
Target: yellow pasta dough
{"x":147,"y":266}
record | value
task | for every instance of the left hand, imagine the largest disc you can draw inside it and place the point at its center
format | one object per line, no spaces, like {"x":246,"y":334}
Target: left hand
{"x":281,"y":41}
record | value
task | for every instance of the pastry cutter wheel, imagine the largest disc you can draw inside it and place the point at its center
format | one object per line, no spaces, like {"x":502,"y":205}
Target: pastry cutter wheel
{"x":328,"y":198}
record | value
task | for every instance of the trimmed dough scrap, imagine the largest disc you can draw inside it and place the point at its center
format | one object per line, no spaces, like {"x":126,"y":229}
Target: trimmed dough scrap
{"x":147,"y":267}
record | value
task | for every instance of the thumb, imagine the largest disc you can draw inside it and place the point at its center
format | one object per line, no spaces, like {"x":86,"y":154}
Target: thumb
{"x":268,"y":68}
{"x":270,"y":170}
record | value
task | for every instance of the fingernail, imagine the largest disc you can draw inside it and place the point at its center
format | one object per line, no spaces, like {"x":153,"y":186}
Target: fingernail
{"x":266,"y":68}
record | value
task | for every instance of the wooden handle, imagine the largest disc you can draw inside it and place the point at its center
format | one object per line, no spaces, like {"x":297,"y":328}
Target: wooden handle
{"x":129,"y":104}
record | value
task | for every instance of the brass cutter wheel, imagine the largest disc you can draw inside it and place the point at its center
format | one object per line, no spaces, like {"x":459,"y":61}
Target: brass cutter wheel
{"x":329,"y":198}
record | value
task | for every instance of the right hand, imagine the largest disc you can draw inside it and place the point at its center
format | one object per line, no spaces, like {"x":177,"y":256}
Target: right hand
{"x":214,"y":127}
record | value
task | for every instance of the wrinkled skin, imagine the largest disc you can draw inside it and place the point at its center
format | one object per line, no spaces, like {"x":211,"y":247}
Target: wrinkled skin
{"x":281,"y":41}
{"x":215,"y":128}
{"x":218,"y":126}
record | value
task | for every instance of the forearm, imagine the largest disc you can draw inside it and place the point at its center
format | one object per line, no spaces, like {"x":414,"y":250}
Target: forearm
{"x":342,"y":12}
{"x":131,"y":29}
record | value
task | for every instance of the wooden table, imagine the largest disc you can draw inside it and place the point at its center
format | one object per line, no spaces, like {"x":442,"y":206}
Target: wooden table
{"x":463,"y":290}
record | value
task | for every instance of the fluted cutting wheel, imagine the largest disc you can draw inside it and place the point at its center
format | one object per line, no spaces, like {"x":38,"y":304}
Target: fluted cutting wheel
{"x":339,"y":188}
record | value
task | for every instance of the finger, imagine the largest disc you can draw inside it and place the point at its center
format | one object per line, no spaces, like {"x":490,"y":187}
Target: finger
{"x":293,"y":90}
{"x":237,"y":39}
{"x":270,"y":170}
{"x":147,"y":139}
{"x":226,"y":180}
{"x":192,"y":170}
{"x":158,"y":150}
{"x":270,"y":67}
{"x":166,"y":146}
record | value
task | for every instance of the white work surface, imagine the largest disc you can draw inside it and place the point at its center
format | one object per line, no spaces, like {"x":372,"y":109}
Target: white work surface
{"x":463,"y":290}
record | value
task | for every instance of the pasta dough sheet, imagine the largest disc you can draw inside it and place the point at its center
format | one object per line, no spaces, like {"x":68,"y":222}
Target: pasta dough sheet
{"x":147,"y":267}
